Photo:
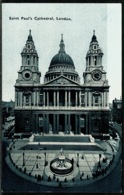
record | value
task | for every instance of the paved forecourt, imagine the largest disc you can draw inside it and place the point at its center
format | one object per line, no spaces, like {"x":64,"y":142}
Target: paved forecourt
{"x":34,"y":161}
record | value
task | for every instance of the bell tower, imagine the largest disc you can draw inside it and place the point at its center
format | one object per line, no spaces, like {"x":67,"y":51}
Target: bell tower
{"x":96,"y":88}
{"x":27,"y":91}
{"x":29,"y":71}
{"x":94,"y":72}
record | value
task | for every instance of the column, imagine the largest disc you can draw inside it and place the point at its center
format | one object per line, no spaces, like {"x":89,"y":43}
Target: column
{"x":37,"y":123}
{"x":37,"y":98}
{"x":79,"y":98}
{"x":90,"y":124}
{"x":44,"y":124}
{"x":86,"y":61}
{"x":92,"y":60}
{"x":57,"y":126}
{"x":54,"y":98}
{"x":24,"y":100}
{"x":47,"y":98}
{"x":44,"y":98}
{"x":85,"y":98}
{"x":79,"y":123}
{"x":75,"y":124}
{"x":69,"y":125}
{"x":30,"y":100}
{"x":20,"y":99}
{"x":57,"y":98}
{"x":102,"y":100}
{"x":47,"y":123}
{"x":65,"y":123}
{"x":16,"y":98}
{"x":89,"y":99}
{"x":76,"y":99}
{"x":54,"y":123}
{"x":98,"y":60}
{"x":69,"y":98}
{"x":34,"y":98}
{"x":87,"y":124}
{"x":66,"y":98}
{"x":107,"y":98}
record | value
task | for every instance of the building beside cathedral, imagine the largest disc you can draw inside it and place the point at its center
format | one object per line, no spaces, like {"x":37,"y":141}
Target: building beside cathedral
{"x":62,"y":103}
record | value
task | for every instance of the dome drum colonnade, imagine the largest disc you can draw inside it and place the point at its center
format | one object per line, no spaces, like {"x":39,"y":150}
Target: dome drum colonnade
{"x":61,"y":92}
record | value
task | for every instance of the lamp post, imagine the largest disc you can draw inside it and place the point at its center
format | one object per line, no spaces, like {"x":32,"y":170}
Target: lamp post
{"x":23,"y":159}
{"x":77,"y":160}
{"x":99,"y":160}
{"x":45,"y":157}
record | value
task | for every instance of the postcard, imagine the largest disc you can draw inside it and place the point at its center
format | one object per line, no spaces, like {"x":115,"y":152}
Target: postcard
{"x":61,"y":98}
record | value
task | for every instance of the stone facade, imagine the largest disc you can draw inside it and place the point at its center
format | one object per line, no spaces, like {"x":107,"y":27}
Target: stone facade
{"x":61,"y":103}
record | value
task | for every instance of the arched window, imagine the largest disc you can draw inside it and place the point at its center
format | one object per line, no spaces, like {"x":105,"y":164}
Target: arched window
{"x":96,"y":99}
{"x":28,"y":59}
{"x":34,"y":60}
{"x":40,"y":121}
{"x":95,"y":60}
{"x":89,"y":60}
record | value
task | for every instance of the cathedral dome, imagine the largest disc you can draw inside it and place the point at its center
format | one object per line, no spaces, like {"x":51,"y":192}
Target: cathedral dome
{"x":62,"y":57}
{"x":61,"y":64}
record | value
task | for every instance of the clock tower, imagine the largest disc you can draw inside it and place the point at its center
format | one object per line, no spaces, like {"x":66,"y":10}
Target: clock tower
{"x":27,"y":91}
{"x":29,"y":71}
{"x":94,"y":73}
{"x":96,"y":88}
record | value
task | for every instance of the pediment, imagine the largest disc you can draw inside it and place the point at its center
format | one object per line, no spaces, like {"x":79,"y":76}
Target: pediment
{"x":62,"y":80}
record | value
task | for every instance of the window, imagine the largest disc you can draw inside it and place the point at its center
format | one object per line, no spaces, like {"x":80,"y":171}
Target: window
{"x":28,"y":59}
{"x":89,"y":60}
{"x":40,"y":121}
{"x":96,"y":125}
{"x":27,"y":100}
{"x":96,"y":99}
{"x":95,"y":60}
{"x":82,"y":122}
{"x":34,"y":60}
{"x":82,"y":99}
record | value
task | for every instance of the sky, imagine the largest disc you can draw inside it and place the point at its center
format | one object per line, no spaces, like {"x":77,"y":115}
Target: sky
{"x":77,"y":32}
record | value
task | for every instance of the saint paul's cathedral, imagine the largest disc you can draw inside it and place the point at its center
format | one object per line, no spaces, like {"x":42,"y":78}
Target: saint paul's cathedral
{"x":61,"y":103}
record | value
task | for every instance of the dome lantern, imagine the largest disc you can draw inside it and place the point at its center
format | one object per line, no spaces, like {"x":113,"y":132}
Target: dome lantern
{"x":62,"y":45}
